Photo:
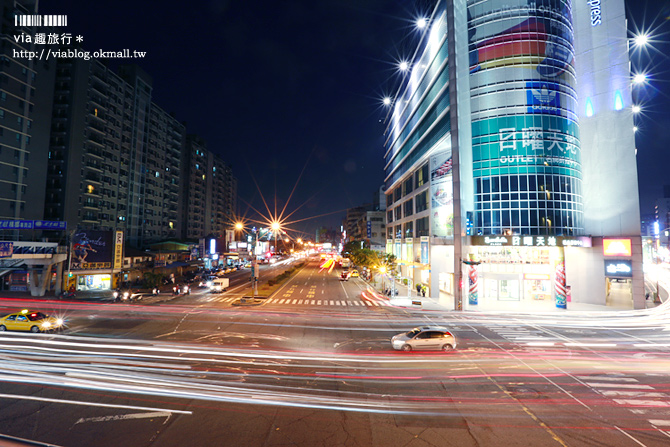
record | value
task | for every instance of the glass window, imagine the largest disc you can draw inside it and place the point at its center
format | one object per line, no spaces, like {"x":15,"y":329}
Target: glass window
{"x":421,"y":176}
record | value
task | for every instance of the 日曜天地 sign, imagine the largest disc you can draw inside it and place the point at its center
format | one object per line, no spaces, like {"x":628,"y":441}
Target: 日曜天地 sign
{"x":531,"y":241}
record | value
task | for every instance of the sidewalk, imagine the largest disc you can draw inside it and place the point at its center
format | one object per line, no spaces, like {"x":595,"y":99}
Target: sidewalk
{"x":410,"y":298}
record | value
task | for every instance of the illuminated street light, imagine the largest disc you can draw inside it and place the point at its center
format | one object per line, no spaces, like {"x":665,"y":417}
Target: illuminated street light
{"x":403,"y":65}
{"x":275,"y":226}
{"x":421,"y":23}
{"x":239,"y":226}
{"x":635,"y":129}
{"x":639,"y":78}
{"x":641,"y":40}
{"x":299,"y":241}
{"x":636,"y":109}
{"x":387,"y":101}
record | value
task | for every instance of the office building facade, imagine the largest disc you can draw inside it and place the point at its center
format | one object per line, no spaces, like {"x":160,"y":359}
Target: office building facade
{"x":495,"y":150}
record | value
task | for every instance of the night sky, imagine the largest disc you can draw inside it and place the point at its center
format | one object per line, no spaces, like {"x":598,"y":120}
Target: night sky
{"x":289,"y":92}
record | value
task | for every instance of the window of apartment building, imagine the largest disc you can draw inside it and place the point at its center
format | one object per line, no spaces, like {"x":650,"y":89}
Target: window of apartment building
{"x":398,"y":231}
{"x":389,"y":216}
{"x":389,"y":233}
{"x":407,"y":186}
{"x":421,"y":176}
{"x":389,"y":200}
{"x":421,"y":201}
{"x":397,"y":193}
{"x":422,"y":227}
{"x":408,"y":207}
{"x":397,"y":213}
{"x":409,"y":229}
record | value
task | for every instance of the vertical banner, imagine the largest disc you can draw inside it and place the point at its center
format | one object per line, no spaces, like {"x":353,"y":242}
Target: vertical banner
{"x":441,"y":195}
{"x":560,"y":285}
{"x":473,"y":294}
{"x":118,"y":250}
{"x":425,"y":259}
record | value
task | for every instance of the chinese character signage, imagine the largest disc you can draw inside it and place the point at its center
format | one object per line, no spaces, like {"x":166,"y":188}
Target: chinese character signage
{"x":6,"y":249}
{"x":618,"y":269}
{"x":91,"y":249}
{"x":441,"y":195}
{"x":118,"y":250}
{"x":32,"y":225}
{"x":531,"y":241}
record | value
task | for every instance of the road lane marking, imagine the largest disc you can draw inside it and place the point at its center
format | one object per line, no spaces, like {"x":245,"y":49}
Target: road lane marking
{"x":642,"y":403}
{"x":282,"y":302}
{"x":613,"y":379}
{"x":636,"y":386}
{"x":659,"y":422}
{"x":91,"y":404}
{"x":357,"y":303}
{"x":332,"y":303}
{"x":318,"y":303}
{"x":156,"y":414}
{"x":294,"y":301}
{"x":631,"y":393}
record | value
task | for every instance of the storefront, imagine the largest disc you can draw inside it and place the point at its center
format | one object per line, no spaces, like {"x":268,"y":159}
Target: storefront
{"x":519,"y":268}
{"x":98,"y":281}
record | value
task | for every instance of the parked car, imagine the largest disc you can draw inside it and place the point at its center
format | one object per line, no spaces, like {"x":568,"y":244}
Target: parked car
{"x":425,"y":338}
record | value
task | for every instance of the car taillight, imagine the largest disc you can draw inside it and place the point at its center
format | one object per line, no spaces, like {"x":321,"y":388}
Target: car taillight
{"x":448,"y":334}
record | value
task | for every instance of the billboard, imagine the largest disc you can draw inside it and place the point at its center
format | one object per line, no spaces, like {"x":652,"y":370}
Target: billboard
{"x":92,"y":250}
{"x":441,"y":195}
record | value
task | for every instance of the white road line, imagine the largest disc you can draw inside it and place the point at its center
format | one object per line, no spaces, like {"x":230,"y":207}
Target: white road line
{"x":157,"y":414}
{"x":611,"y":393}
{"x":282,"y":302}
{"x":659,"y":422}
{"x":294,"y":301}
{"x":357,"y":303}
{"x":91,"y":404}
{"x":613,"y":379}
{"x":340,"y":303}
{"x":642,"y":403}
{"x":637,"y":386}
{"x":322,"y":292}
{"x":332,"y":303}
{"x":374,"y":303}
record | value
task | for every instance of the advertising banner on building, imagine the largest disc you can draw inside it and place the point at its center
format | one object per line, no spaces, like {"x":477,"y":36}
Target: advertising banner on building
{"x":441,"y":195}
{"x":91,"y":250}
{"x":118,"y":250}
{"x":425,"y":259}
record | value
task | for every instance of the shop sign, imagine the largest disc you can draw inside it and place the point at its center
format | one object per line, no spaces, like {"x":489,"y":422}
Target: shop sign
{"x":118,"y":250}
{"x":596,"y":12}
{"x":6,"y":249}
{"x":618,"y":269}
{"x":617,"y":247}
{"x":531,"y":241}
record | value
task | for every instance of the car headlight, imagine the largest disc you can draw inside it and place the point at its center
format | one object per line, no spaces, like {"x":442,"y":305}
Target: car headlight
{"x":59,"y":321}
{"x":46,"y":324}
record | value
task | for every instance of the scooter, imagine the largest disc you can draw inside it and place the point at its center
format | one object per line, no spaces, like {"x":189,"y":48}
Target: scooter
{"x":67,"y":294}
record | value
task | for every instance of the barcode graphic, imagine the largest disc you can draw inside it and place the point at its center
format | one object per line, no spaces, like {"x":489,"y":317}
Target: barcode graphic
{"x":40,"y":20}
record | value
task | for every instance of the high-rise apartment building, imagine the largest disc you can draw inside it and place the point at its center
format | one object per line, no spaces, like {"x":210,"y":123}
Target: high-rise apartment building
{"x":114,"y":155}
{"x":26,"y":95}
{"x":510,"y":155}
{"x":210,"y":191}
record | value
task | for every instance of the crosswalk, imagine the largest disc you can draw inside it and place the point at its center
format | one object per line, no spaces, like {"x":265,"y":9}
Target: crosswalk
{"x":307,"y":302}
{"x":639,"y":398}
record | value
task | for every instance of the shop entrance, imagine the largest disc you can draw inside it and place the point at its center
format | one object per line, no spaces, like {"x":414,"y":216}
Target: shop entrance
{"x":502,"y":289}
{"x":620,"y":292}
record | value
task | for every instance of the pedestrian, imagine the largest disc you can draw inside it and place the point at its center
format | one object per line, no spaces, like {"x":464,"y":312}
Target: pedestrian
{"x":423,"y":291}
{"x":418,"y":288}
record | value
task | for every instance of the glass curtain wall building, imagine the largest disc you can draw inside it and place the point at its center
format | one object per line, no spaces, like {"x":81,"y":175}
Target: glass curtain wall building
{"x":493,"y":157}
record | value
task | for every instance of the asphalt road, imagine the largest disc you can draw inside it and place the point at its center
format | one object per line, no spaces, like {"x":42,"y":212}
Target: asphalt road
{"x":313,"y":366}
